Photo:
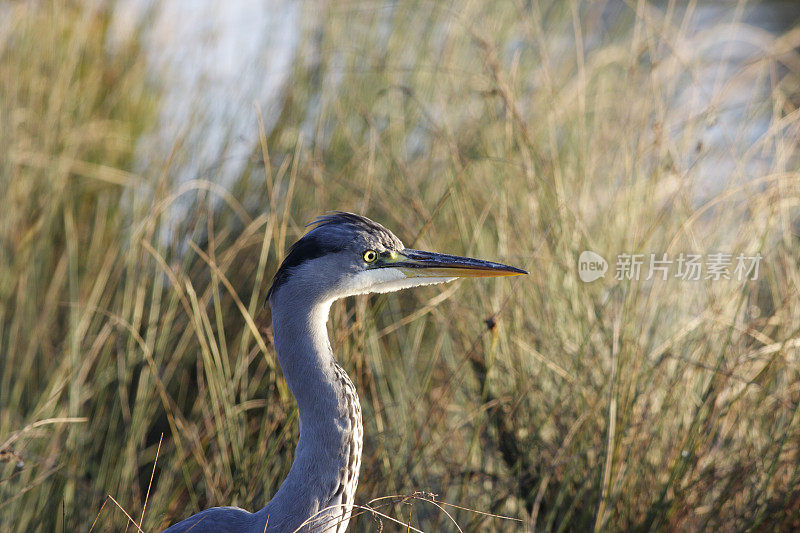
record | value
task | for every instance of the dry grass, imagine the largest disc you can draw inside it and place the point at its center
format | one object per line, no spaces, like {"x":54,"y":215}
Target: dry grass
{"x":485,"y":131}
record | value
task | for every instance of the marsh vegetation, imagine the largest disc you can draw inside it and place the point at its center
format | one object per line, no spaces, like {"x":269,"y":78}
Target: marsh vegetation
{"x":135,"y":350}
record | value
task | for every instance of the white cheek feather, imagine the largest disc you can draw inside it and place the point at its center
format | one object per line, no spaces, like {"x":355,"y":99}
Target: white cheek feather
{"x":389,"y":280}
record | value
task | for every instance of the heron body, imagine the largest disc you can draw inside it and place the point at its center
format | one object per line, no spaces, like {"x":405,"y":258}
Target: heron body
{"x":343,"y":255}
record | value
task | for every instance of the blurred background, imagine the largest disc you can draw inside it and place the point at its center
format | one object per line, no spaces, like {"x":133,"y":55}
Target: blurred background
{"x":157,"y":159}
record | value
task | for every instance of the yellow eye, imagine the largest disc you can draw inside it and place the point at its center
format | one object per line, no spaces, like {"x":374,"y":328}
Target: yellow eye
{"x":370,"y":256}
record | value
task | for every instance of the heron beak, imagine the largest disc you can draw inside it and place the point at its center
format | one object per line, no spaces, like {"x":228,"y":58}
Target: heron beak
{"x":419,"y":264}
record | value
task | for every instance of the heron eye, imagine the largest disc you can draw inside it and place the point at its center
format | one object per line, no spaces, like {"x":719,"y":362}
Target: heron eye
{"x":370,"y":256}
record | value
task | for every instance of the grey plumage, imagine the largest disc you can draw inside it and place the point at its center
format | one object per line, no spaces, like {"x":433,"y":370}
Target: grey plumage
{"x":343,"y":255}
{"x":333,"y":233}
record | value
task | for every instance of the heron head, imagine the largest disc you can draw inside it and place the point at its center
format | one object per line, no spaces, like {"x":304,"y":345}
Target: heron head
{"x":347,"y":254}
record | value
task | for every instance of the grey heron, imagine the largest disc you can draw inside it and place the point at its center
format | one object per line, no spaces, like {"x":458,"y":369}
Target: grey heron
{"x":343,"y":255}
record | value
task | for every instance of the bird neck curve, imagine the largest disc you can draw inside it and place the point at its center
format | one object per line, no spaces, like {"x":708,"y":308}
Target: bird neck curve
{"x":328,"y":454}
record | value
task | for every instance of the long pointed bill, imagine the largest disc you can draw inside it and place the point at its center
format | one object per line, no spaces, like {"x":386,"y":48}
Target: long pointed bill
{"x":419,"y":264}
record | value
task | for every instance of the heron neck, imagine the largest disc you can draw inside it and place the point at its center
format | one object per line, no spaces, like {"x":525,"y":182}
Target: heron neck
{"x":329,"y":447}
{"x":305,"y":355}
